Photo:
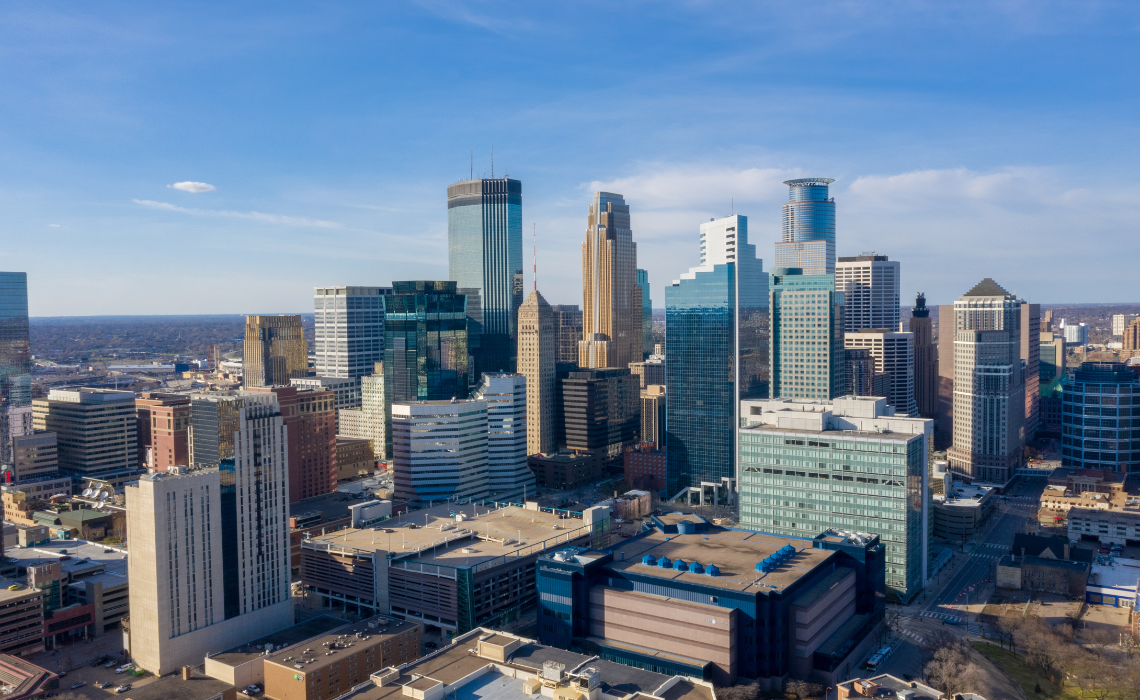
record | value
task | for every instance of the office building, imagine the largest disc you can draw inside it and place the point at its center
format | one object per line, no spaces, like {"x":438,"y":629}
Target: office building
{"x":646,"y":314}
{"x":21,"y":619}
{"x":989,"y":391}
{"x":163,"y":429}
{"x":1122,"y":321}
{"x":210,"y":551}
{"x":654,"y":405}
{"x":611,"y":299}
{"x":807,"y":241}
{"x":348,"y":331}
{"x":690,"y":597}
{"x":852,"y":463}
{"x":1130,"y":347}
{"x":354,"y":459}
{"x":566,"y":469}
{"x":562,"y":372}
{"x":925,"y":359}
{"x":650,"y":371}
{"x":425,"y":342}
{"x":1031,"y":359}
{"x":806,"y":341}
{"x":35,"y":458}
{"x":944,"y":415}
{"x":275,"y":350}
{"x":96,"y":429}
{"x":453,"y":566}
{"x":885,"y":685}
{"x":862,"y":377}
{"x":214,"y":418}
{"x":439,"y":450}
{"x":568,"y":327}
{"x":870,"y":288}
{"x":346,"y":392}
{"x":1076,"y":334}
{"x":508,"y":477}
{"x":715,"y":354}
{"x":1051,"y":357}
{"x":645,"y":467}
{"x":537,"y":355}
{"x":309,"y":416}
{"x":484,"y":257}
{"x":1096,"y":432}
{"x":601,"y":409}
{"x":893,"y":352}
{"x":15,"y":361}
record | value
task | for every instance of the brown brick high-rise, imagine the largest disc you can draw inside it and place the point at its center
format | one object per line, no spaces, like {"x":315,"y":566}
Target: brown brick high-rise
{"x":310,"y":423}
{"x":164,"y":430}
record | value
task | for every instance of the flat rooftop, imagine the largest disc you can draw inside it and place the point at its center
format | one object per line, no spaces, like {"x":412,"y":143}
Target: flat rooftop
{"x":76,"y":557}
{"x":834,"y":434}
{"x":434,"y":536}
{"x":287,"y":637}
{"x":1123,"y":573}
{"x":734,"y":552}
{"x":198,"y":687}
{"x":332,"y":506}
{"x":964,"y":496}
{"x":313,"y":657}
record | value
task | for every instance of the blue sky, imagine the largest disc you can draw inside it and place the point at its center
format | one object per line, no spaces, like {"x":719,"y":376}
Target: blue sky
{"x":966,"y":139}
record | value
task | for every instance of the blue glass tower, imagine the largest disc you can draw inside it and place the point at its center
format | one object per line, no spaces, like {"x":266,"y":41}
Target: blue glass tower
{"x":716,"y":351}
{"x":646,"y":313}
{"x":484,"y":257}
{"x":1096,"y":430}
{"x":808,"y":238}
{"x":15,"y":350}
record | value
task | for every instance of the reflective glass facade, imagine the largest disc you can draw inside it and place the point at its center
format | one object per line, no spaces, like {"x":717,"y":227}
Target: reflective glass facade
{"x":806,"y":346}
{"x":348,"y":330}
{"x":15,"y":351}
{"x":646,"y":314}
{"x":425,"y":343}
{"x":484,"y":255}
{"x":1100,"y":418}
{"x":796,"y":482}
{"x":808,"y":236}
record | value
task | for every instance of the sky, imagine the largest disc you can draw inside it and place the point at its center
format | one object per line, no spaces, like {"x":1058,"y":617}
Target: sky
{"x":210,"y":157}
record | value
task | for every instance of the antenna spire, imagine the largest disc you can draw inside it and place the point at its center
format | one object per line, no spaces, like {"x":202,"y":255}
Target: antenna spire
{"x":492,"y":161}
{"x":534,"y":234}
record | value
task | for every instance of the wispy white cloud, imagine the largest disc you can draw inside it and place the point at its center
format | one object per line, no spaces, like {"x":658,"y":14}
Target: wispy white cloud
{"x":55,"y":225}
{"x":193,"y":187}
{"x":248,"y":215}
{"x":670,"y":186}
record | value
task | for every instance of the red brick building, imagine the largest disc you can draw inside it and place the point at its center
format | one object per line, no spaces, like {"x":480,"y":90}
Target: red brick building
{"x":310,"y":422}
{"x":163,"y":429}
{"x":645,"y":467}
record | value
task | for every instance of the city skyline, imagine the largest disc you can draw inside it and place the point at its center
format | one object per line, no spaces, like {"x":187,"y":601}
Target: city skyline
{"x":135,"y":143}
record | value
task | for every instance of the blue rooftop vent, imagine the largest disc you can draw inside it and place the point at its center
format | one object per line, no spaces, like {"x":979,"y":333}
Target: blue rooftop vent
{"x":696,"y":568}
{"x":686,"y":527}
{"x":649,"y":560}
{"x":664,"y":562}
{"x":711,"y":570}
{"x":679,"y":565}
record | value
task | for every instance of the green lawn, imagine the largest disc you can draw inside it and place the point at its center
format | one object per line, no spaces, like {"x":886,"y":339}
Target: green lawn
{"x":1018,"y":669}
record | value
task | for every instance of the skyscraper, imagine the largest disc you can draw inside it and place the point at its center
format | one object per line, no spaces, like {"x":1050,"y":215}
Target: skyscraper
{"x":275,"y":350}
{"x":806,"y":342}
{"x":1131,"y":340}
{"x":989,"y":391}
{"x":209,"y":567}
{"x":440,"y":450}
{"x":1096,"y":434}
{"x":309,"y":416}
{"x":508,"y":476}
{"x":808,"y":238}
{"x":15,"y":362}
{"x":646,"y":314}
{"x":348,"y":330}
{"x":568,"y":326}
{"x":611,"y":300}
{"x":1120,"y":322}
{"x":870,"y":287}
{"x":925,"y":359}
{"x":163,"y":430}
{"x":715,"y":355}
{"x":894,"y":356}
{"x":97,"y":430}
{"x":1031,"y":356}
{"x":369,"y":420}
{"x":602,"y":411}
{"x":537,"y":355}
{"x":484,"y":258}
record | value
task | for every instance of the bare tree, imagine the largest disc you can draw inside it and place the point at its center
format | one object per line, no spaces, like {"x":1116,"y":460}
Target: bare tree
{"x":739,"y":692}
{"x":803,"y":689}
{"x":952,"y":671}
{"x":1099,"y":639}
{"x":1006,"y":628}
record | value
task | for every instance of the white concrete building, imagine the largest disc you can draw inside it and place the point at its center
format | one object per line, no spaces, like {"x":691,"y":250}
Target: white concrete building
{"x":348,"y":330}
{"x":369,"y":419}
{"x":209,"y":565}
{"x":508,"y":476}
{"x":871,"y":285}
{"x":1121,"y":321}
{"x":439,"y":450}
{"x":893,"y":352}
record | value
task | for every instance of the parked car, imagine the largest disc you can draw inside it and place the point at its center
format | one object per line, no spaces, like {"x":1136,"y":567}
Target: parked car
{"x":109,"y":664}
{"x":104,"y":685}
{"x":123,"y":688}
{"x":80,"y":684}
{"x":252,"y":689}
{"x":124,"y":669}
{"x":430,"y":645}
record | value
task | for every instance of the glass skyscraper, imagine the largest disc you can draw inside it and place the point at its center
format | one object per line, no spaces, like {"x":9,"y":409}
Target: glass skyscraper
{"x":646,"y":314}
{"x":808,"y":238}
{"x":484,"y":258}
{"x":715,"y":354}
{"x":425,"y":342}
{"x":348,"y":330}
{"x":1097,"y":430}
{"x":806,"y":347}
{"x":15,"y":350}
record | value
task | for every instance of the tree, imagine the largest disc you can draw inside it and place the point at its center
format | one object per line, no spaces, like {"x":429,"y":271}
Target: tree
{"x":739,"y":692}
{"x":803,"y":689}
{"x":952,"y":671}
{"x":1099,"y":639}
{"x":1006,"y":628}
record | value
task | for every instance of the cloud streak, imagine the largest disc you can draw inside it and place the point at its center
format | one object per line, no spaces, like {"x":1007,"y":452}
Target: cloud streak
{"x":278,"y":219}
{"x":193,"y":187}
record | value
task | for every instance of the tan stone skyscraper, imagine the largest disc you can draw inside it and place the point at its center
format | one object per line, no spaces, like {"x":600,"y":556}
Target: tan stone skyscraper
{"x":611,"y":298}
{"x":275,"y":350}
{"x":537,"y":353}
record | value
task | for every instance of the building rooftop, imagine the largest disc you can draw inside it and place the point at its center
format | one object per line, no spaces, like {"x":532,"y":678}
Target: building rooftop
{"x":331,"y":506}
{"x":987,"y":288}
{"x":79,"y":558}
{"x":436,"y":536}
{"x":22,"y":678}
{"x":964,"y":496}
{"x":889,"y":686}
{"x":1122,"y":573}
{"x":457,"y":667}
{"x":315,"y":656}
{"x":734,"y":552}
{"x":280,"y":639}
{"x":198,"y":687}
{"x":833,"y":433}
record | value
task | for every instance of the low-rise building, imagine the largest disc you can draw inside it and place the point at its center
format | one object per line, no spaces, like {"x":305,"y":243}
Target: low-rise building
{"x":566,"y":469}
{"x":717,"y":603}
{"x":1047,"y":564}
{"x":1113,"y":525}
{"x":645,"y":467}
{"x":453,"y":567}
{"x":1115,"y":583}
{"x":960,"y":512}
{"x":332,"y":665}
{"x":21,"y":619}
{"x":23,"y":679}
{"x":188,"y":685}
{"x":885,"y":686}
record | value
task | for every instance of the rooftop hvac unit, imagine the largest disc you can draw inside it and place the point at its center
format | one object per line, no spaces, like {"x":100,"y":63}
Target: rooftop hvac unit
{"x":679,"y":565}
{"x":664,"y":562}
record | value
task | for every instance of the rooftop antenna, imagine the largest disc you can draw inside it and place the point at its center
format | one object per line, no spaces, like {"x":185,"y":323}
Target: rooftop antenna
{"x":534,"y":234}
{"x":492,"y":161}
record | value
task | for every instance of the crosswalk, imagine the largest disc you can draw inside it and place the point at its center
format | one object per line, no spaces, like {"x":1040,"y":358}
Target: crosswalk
{"x":994,"y":545}
{"x":911,"y":635}
{"x":940,"y":616}
{"x":972,"y":627}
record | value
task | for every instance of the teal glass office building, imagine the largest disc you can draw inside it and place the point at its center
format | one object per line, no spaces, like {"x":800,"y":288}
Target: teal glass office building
{"x":484,"y":257}
{"x":15,"y":349}
{"x":425,"y":343}
{"x":806,"y":339}
{"x":801,"y":482}
{"x":646,"y":314}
